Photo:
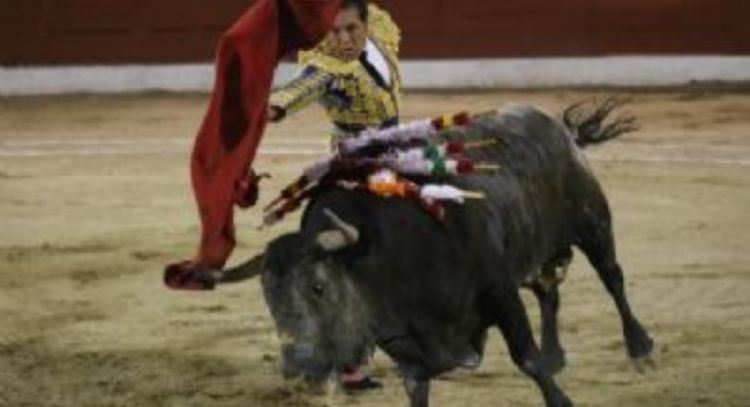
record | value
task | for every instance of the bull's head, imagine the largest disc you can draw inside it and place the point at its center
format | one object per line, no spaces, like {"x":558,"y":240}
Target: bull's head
{"x":320,"y":315}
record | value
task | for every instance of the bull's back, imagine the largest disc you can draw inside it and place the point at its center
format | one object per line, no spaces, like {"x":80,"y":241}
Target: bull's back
{"x":527,"y":209}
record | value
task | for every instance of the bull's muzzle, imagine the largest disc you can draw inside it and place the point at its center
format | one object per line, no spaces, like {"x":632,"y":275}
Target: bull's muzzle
{"x":304,"y":360}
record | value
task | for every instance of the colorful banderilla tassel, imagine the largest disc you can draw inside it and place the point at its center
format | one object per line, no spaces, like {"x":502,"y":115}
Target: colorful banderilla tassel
{"x":417,"y":130}
{"x":443,"y":122}
{"x":289,"y":192}
{"x":288,"y":206}
{"x":432,"y":159}
{"x":318,"y":170}
{"x":458,"y":146}
{"x":417,"y":163}
{"x":446,"y":149}
{"x":386,"y":183}
{"x":311,"y":175}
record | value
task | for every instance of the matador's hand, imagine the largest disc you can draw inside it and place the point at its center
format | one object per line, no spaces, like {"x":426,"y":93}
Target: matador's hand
{"x":275,"y":114}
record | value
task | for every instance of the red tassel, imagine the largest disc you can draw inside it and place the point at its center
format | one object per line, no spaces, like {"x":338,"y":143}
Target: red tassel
{"x":465,"y":166}
{"x":454,"y":147}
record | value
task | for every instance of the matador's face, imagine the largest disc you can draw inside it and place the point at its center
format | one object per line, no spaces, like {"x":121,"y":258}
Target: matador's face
{"x":349,"y":34}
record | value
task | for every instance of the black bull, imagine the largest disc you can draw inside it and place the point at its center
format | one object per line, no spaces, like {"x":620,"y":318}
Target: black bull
{"x":365,"y":271}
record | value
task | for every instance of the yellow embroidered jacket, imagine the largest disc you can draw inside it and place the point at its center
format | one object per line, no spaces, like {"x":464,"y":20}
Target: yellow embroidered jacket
{"x":352,"y":97}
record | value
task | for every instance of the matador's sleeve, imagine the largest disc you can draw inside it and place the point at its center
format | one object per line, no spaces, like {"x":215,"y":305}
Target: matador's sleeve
{"x":308,"y":87}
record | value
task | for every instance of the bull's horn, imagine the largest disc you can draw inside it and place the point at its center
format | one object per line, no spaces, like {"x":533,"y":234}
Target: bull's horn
{"x":343,"y":236}
{"x":245,"y":271}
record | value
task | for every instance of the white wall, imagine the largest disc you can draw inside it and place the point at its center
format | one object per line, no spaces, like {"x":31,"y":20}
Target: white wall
{"x":479,"y":73}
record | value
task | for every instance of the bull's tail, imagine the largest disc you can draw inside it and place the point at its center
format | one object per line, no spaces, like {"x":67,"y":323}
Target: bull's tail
{"x":587,"y":121}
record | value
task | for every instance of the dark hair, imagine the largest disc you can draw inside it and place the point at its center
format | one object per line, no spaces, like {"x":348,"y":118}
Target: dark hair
{"x":360,"y":5}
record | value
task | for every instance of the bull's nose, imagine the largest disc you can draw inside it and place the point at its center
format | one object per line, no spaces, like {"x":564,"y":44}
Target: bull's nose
{"x":303,"y":359}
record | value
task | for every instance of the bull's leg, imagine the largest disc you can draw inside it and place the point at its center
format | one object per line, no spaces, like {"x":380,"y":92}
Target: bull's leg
{"x":418,"y":391}
{"x":553,"y":355}
{"x":598,"y":244}
{"x":514,"y":325}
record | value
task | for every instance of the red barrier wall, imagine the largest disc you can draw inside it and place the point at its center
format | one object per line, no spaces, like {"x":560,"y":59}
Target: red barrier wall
{"x":159,"y":31}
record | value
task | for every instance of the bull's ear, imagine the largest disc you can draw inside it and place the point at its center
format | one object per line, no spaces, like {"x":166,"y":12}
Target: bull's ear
{"x":344,"y":235}
{"x":245,"y":271}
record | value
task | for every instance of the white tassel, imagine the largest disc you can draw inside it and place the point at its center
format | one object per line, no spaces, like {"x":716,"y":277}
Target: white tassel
{"x":421,"y":129}
{"x":442,"y":193}
{"x":447,"y":193}
{"x":414,"y":154}
{"x":413,"y":167}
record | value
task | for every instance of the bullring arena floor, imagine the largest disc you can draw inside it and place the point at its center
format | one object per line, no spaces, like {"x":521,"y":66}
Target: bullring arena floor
{"x":94,"y":200}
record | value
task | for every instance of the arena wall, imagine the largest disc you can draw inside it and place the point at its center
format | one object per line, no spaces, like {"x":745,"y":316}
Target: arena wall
{"x":497,"y":43}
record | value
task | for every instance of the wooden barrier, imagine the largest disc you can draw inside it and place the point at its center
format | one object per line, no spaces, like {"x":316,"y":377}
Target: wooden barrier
{"x":171,"y":31}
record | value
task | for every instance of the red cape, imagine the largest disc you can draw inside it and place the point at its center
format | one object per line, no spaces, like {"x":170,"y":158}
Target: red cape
{"x":247,"y":56}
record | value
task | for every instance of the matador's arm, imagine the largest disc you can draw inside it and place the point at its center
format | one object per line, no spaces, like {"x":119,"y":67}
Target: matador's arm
{"x":309,"y":86}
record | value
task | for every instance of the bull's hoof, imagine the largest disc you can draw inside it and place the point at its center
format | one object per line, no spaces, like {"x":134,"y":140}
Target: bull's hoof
{"x":643,"y":364}
{"x":639,"y":344}
{"x":553,"y":362}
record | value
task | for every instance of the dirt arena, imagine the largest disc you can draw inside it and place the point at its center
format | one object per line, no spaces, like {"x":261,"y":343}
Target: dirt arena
{"x":94,"y":200}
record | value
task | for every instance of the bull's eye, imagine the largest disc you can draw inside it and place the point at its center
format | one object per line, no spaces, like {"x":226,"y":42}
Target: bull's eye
{"x":317,"y":289}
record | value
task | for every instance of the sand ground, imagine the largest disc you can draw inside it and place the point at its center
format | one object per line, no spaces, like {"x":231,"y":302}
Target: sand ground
{"x":94,"y":200}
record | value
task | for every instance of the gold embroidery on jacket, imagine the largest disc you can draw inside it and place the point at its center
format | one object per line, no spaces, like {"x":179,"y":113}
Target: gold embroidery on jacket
{"x":347,"y":92}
